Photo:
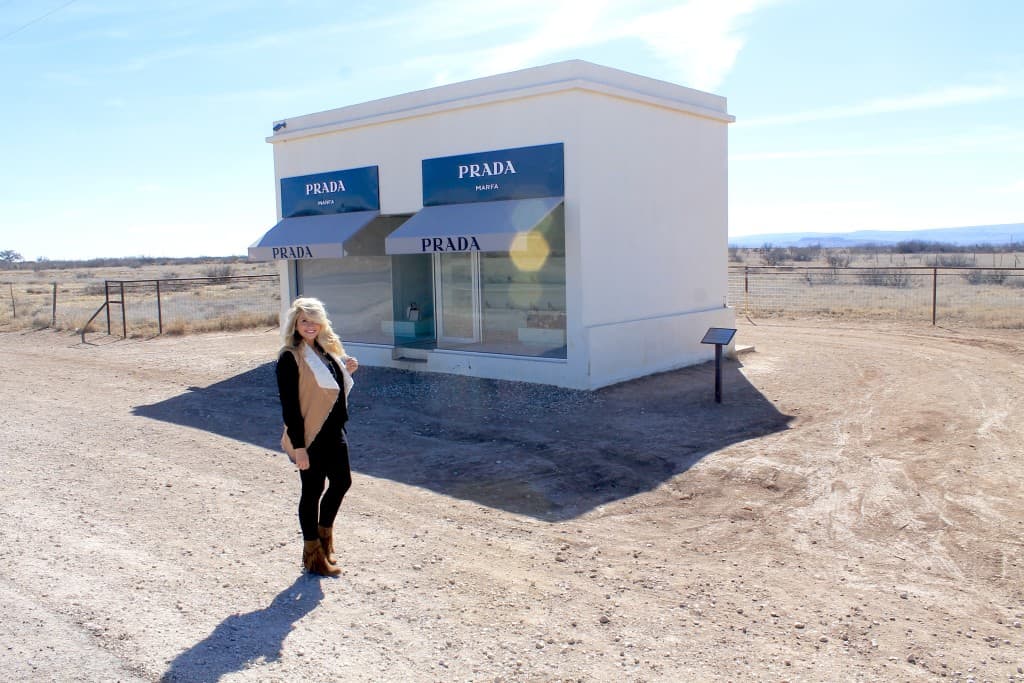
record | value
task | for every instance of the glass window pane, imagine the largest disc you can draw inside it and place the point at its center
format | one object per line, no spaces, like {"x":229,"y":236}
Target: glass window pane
{"x":523,"y":294}
{"x":357,"y":293}
{"x":456,"y":297}
{"x":523,"y":310}
{"x":412,"y":280}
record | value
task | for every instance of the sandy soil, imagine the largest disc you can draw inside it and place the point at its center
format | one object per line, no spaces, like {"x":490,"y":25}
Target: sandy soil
{"x":851,"y":511}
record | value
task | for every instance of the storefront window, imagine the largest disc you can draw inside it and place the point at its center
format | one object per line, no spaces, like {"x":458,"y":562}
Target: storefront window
{"x":512,"y":302}
{"x":357,"y":293}
{"x":412,"y":284}
{"x":523,"y":310}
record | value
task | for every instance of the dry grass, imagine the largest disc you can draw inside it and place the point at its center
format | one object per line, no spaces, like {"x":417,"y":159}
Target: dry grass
{"x":224,"y":323}
{"x":861,"y":258}
{"x":961,"y":297}
{"x":27,"y":296}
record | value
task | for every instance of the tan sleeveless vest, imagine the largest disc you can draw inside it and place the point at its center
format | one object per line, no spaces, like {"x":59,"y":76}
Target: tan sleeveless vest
{"x":315,"y":399}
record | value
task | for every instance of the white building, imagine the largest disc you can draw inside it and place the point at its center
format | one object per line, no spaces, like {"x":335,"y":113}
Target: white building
{"x":565,"y":224}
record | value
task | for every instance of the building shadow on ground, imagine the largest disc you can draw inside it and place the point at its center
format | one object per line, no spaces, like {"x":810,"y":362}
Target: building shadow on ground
{"x":245,"y":640}
{"x":244,"y":407}
{"x":531,"y":449}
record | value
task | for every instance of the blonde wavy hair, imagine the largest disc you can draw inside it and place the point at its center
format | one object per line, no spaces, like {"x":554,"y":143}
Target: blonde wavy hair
{"x":315,"y":311}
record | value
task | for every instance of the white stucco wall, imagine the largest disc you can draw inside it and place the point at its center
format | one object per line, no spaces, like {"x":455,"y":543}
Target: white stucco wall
{"x":653,"y":248}
{"x":645,"y":203}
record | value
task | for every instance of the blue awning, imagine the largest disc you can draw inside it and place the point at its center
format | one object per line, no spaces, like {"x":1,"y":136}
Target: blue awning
{"x":304,"y":237}
{"x":476,"y":226}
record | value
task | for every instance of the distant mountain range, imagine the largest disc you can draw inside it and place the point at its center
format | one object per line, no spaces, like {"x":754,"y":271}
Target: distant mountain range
{"x":975,"y":234}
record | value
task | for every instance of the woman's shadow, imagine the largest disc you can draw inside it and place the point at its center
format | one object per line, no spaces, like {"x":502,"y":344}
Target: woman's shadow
{"x":244,"y":639}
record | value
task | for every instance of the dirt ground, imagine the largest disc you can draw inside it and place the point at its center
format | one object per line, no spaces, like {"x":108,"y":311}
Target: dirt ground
{"x":852,"y":511}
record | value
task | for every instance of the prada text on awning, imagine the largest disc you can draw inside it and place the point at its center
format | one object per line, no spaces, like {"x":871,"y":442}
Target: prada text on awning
{"x":305,"y":237}
{"x":476,"y":226}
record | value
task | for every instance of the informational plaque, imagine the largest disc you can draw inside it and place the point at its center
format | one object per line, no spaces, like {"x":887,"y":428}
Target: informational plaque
{"x":718,"y":335}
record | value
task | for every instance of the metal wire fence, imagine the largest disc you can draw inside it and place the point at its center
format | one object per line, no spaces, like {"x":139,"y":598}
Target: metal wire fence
{"x":978,"y":297}
{"x":145,"y":307}
{"x":60,"y":305}
{"x":192,"y":305}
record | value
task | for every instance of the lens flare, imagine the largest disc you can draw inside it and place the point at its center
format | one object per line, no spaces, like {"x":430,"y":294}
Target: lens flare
{"x":529,"y":251}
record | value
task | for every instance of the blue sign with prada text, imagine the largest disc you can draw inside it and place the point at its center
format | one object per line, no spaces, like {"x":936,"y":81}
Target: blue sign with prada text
{"x":519,"y":173}
{"x":354,"y":189}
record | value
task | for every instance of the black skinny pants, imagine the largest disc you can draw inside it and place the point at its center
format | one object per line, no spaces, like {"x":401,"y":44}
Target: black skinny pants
{"x":327,"y":462}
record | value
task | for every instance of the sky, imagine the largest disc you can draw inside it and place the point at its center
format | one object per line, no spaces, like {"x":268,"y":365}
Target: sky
{"x":139,"y":128}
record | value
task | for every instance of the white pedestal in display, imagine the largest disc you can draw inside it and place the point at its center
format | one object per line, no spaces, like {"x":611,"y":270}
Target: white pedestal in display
{"x":407,"y":328}
{"x":538,"y":335}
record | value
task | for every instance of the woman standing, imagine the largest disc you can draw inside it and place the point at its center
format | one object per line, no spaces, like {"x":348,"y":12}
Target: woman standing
{"x":314,"y":376}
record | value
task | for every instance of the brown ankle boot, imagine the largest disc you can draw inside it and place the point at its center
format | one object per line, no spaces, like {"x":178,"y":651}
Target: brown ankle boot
{"x":314,"y":560}
{"x":327,"y":541}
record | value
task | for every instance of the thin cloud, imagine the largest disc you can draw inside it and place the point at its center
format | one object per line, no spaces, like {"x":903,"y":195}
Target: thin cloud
{"x":697,"y":41}
{"x":190,"y":44}
{"x":935,"y":99}
{"x":700,"y":39}
{"x":572,"y":25}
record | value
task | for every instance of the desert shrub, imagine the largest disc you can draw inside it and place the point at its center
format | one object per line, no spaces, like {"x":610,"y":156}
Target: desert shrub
{"x":824,"y":277}
{"x":883,"y":277}
{"x":220,"y":270}
{"x":986,"y":277}
{"x":915,"y":247}
{"x":839,"y":259}
{"x":950,"y":261}
{"x":773,"y":256}
{"x":805,"y":254}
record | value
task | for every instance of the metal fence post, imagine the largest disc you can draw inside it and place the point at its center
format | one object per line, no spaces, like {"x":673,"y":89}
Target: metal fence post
{"x":746,"y":290}
{"x":14,"y":306}
{"x":53,"y":318}
{"x":124,"y":315}
{"x":106,"y":296}
{"x":935,"y":291}
{"x":159,"y":311}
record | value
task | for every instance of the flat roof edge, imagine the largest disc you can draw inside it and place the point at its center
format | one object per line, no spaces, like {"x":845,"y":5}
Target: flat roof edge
{"x":538,"y":81}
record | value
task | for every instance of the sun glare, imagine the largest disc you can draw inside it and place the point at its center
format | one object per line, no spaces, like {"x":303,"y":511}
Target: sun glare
{"x":529,"y":251}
